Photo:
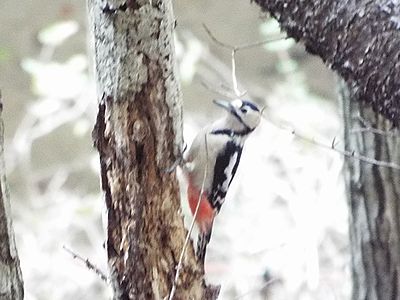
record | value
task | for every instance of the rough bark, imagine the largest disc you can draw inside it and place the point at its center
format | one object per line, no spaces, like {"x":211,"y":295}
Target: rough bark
{"x":11,"y":284}
{"x":358,"y":38}
{"x":373,"y":195}
{"x":138,"y":135}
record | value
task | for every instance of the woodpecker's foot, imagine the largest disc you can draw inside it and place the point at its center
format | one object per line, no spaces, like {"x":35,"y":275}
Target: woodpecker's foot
{"x":172,"y":168}
{"x":177,"y":162}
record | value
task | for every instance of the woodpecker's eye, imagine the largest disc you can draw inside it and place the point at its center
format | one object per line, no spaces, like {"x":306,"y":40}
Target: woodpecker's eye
{"x":243,"y":110}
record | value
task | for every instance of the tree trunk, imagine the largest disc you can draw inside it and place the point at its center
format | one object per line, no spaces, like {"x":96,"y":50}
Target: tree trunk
{"x":373,"y":195}
{"x":357,"y":38}
{"x":138,"y":135}
{"x":11,"y":284}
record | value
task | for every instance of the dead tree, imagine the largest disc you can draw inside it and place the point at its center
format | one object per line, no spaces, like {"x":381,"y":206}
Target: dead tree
{"x":11,"y":283}
{"x":138,"y":135}
{"x":361,"y":41}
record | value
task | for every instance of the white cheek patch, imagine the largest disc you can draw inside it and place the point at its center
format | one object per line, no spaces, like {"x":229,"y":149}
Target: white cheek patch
{"x":237,"y":103}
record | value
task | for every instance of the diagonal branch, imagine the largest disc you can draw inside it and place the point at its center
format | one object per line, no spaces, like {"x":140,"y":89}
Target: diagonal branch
{"x":87,"y":263}
{"x":346,"y":153}
{"x":358,"y":39}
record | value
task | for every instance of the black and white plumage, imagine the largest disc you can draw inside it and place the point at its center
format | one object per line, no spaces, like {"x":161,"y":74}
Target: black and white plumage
{"x":216,"y":152}
{"x":225,"y":169}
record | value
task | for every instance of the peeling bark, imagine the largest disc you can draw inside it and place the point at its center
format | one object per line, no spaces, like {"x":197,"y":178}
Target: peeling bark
{"x":373,"y":195}
{"x":360,"y":39}
{"x":11,"y":284}
{"x":138,"y":135}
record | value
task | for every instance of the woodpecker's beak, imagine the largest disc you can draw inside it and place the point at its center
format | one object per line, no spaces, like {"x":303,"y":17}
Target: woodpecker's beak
{"x":224,"y":104}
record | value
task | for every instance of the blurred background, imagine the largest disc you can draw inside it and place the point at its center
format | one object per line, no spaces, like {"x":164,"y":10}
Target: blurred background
{"x":282,"y":233}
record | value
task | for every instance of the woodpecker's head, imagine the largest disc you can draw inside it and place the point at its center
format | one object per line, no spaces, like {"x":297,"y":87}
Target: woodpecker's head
{"x":242,"y":114}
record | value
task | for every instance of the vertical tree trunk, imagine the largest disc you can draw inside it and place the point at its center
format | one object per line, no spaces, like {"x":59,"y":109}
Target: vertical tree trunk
{"x":138,"y":135}
{"x":11,"y":284}
{"x":373,"y":195}
{"x":359,"y":39}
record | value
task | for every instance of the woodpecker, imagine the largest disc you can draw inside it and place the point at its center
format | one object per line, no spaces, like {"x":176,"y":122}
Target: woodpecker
{"x":214,"y":157}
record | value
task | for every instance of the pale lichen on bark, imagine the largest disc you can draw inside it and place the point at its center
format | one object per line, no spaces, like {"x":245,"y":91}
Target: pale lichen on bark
{"x":146,"y":35}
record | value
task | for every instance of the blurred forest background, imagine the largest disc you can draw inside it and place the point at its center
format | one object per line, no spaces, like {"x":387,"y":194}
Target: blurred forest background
{"x":283,"y":231}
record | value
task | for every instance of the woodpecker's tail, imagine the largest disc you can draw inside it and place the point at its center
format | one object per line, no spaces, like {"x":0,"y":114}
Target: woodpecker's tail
{"x":202,"y":242}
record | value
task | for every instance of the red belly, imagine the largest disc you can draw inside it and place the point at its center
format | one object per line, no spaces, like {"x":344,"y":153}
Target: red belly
{"x":205,"y":213}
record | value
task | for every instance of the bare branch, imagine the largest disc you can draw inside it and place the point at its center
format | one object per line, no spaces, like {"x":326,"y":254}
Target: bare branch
{"x":217,"y":41}
{"x":233,"y":61}
{"x":243,"y":46}
{"x":88,"y":264}
{"x":260,"y":43}
{"x":369,"y":128}
{"x":332,"y":146}
{"x":346,"y":153}
{"x":349,"y":154}
{"x":376,"y":131}
{"x":234,"y":49}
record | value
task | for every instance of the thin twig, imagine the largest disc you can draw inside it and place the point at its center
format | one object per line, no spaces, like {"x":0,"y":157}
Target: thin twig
{"x":367,"y":127}
{"x":238,"y":93}
{"x":260,"y":43}
{"x":217,"y":41}
{"x":349,"y":154}
{"x":346,"y":153}
{"x":88,"y":264}
{"x":243,"y":46}
{"x":376,"y":131}
{"x":185,"y":245}
{"x":353,"y":154}
{"x":234,"y":49}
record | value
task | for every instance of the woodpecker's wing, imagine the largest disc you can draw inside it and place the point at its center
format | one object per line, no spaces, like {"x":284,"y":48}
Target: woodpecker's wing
{"x":226,"y":164}
{"x":197,"y":159}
